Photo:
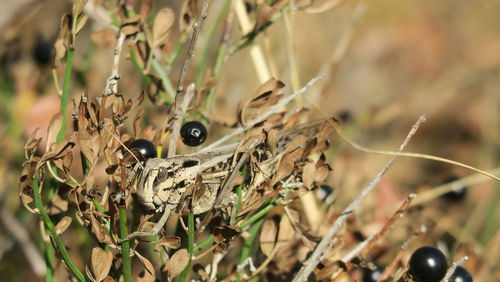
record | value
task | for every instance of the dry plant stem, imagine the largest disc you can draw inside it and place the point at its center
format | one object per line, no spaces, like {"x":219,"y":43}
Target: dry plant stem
{"x":365,"y":246}
{"x":196,"y":30}
{"x":409,"y":155}
{"x":452,"y":268}
{"x":440,"y":190}
{"x":19,"y":233}
{"x":264,"y":116}
{"x":327,"y":243}
{"x":112,"y":82}
{"x":397,"y":215}
{"x":258,"y":58}
{"x":182,"y":101}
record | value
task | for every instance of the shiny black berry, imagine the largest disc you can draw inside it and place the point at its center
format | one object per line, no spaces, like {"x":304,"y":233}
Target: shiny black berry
{"x":459,"y":191}
{"x":372,"y":275}
{"x":427,"y":264}
{"x":145,"y":147}
{"x":461,"y":275}
{"x":193,"y":133}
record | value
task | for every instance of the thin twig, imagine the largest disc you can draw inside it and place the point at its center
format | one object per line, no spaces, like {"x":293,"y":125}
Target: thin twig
{"x":365,"y":246}
{"x":440,"y":190}
{"x":196,"y":30}
{"x":112,"y":82}
{"x":264,"y":116}
{"x":452,"y":268}
{"x":182,"y":101}
{"x":327,"y":243}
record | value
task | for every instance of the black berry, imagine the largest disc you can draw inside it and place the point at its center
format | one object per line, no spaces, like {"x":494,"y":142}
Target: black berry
{"x":459,"y":191}
{"x":427,"y":264}
{"x":145,"y":147}
{"x":461,"y":275}
{"x":42,"y":53}
{"x":372,"y":275}
{"x":193,"y":133}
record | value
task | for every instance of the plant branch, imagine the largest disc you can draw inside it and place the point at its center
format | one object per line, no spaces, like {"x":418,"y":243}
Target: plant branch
{"x":328,"y":240}
{"x":196,"y":30}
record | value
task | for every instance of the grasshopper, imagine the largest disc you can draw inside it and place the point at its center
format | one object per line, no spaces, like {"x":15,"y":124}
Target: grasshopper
{"x":163,"y":182}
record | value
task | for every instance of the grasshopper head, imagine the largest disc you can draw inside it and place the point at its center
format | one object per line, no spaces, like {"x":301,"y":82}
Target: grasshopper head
{"x":164,"y":181}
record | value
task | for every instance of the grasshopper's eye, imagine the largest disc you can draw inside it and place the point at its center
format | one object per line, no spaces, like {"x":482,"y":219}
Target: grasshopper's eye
{"x":163,"y":174}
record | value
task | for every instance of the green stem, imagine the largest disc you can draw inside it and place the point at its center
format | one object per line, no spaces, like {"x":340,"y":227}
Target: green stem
{"x":207,"y":242}
{"x":256,"y":217}
{"x":127,"y":260}
{"x":191,"y":247}
{"x":65,"y":93}
{"x":49,"y":262}
{"x":53,"y":234}
{"x":247,"y":245}
{"x":164,"y":79}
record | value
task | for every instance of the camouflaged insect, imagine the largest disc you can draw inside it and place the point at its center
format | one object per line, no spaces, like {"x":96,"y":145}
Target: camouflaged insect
{"x":163,"y":182}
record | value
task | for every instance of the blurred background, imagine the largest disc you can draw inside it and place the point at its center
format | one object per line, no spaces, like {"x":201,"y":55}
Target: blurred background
{"x":387,"y":62}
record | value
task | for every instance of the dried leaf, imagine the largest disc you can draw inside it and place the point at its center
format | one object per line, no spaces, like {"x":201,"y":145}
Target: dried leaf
{"x":148,"y":275}
{"x":63,"y":224}
{"x":131,"y":26}
{"x":104,"y":38}
{"x":286,"y":232}
{"x":162,"y":24}
{"x":58,"y":151}
{"x":173,"y":242}
{"x":53,"y":129}
{"x":62,"y":42}
{"x":101,"y":261}
{"x":267,"y":95}
{"x":268,"y":236}
{"x":96,"y":228}
{"x":176,"y":264}
{"x":78,"y":7}
{"x":32,"y":144}
{"x":81,"y":24}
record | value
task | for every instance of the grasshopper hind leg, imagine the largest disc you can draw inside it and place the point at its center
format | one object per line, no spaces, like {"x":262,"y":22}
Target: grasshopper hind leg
{"x":154,"y":231}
